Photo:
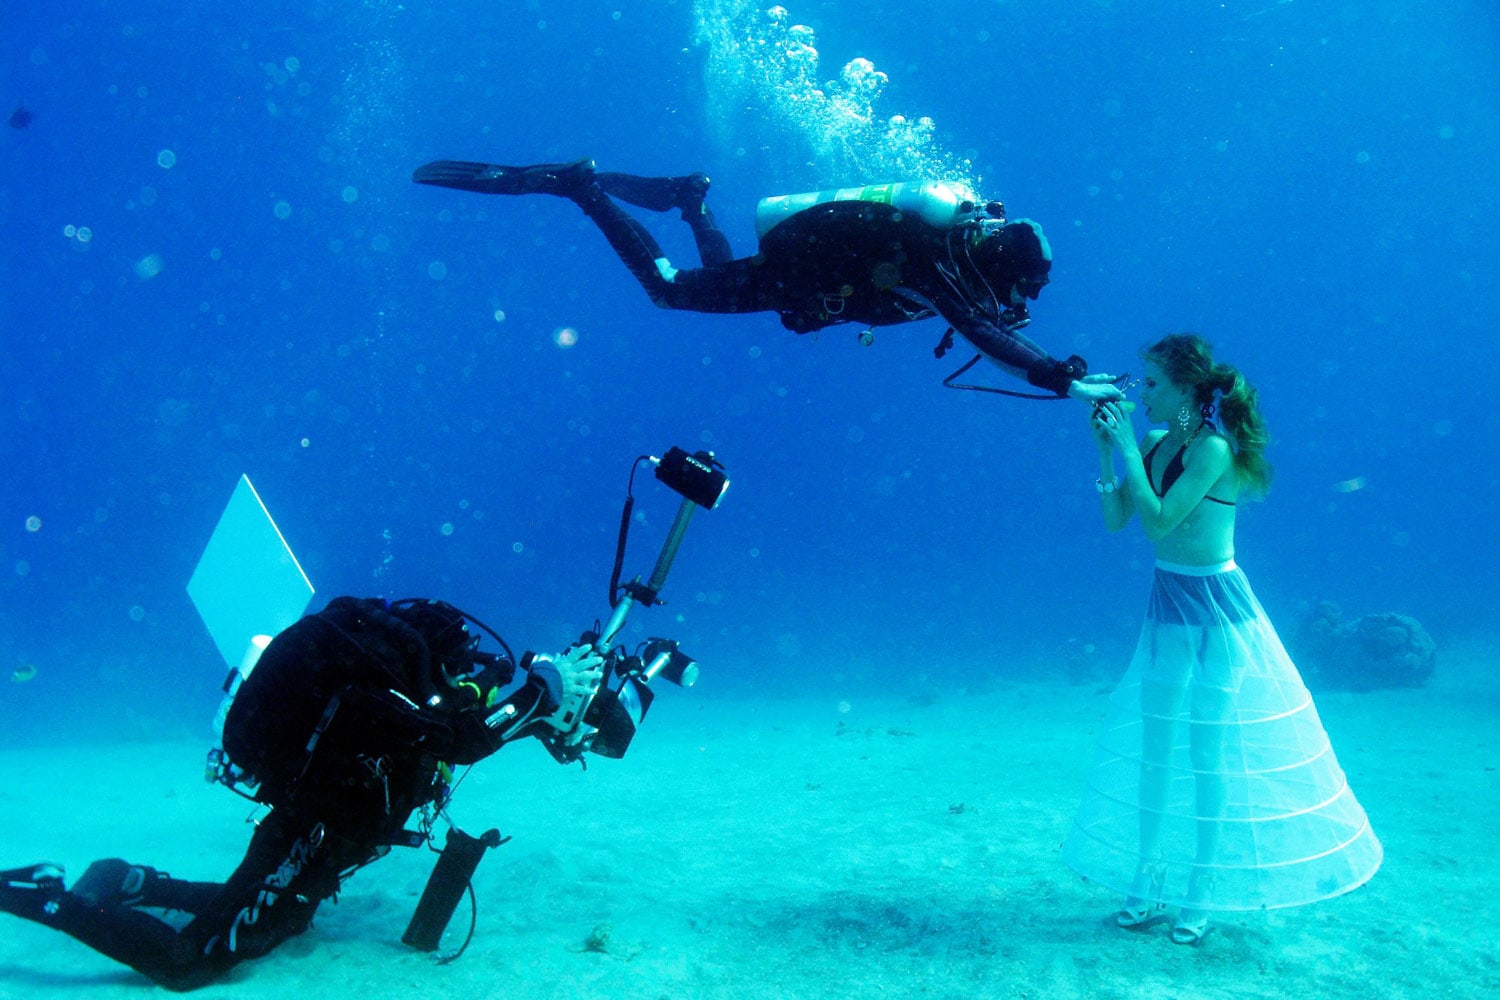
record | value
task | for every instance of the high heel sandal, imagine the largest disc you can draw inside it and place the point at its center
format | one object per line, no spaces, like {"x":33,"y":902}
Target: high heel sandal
{"x":1143,"y":907}
{"x":1192,"y":925}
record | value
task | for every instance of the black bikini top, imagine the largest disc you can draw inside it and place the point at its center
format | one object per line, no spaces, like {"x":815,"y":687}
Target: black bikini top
{"x":1173,"y":471}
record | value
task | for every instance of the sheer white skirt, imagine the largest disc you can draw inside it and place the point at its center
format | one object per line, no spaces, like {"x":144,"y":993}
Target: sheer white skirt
{"x":1214,"y":785}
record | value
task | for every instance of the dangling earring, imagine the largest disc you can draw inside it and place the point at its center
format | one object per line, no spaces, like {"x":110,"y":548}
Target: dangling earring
{"x":1184,"y":417}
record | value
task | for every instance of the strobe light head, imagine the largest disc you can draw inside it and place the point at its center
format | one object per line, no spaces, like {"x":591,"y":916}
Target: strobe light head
{"x":697,"y":477}
{"x":661,"y":658}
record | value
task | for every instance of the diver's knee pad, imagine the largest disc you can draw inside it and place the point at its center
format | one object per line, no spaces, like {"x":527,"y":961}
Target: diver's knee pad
{"x":114,"y":882}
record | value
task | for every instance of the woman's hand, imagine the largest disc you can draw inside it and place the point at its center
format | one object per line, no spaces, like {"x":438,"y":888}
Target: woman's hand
{"x":1103,"y":440}
{"x":1112,"y":422}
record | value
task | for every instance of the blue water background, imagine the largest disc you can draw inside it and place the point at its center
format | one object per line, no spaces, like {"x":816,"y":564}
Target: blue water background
{"x":1311,"y":185}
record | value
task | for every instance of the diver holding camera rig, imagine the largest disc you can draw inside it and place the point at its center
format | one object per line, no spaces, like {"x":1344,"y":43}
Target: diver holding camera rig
{"x":351,"y":722}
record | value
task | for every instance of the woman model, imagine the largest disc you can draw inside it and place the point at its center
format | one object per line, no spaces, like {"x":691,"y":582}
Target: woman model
{"x":1214,"y":787}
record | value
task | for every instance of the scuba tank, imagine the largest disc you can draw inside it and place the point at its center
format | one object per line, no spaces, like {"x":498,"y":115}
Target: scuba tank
{"x":934,"y":202}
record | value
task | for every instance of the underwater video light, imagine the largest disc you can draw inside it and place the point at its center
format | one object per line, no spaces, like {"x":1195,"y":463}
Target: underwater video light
{"x":698,"y":477}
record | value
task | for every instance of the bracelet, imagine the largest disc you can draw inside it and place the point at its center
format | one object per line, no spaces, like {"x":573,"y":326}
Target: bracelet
{"x":1110,"y":487}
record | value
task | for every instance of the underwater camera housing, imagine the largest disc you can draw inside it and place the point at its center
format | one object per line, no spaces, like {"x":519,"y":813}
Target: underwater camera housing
{"x":624,"y":696}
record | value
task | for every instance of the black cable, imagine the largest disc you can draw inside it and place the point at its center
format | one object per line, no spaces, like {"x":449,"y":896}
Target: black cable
{"x":625,"y":511}
{"x":453,"y":956}
{"x":949,"y":383}
{"x":410,"y":601}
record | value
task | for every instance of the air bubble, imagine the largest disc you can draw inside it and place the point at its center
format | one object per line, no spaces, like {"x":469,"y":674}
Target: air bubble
{"x":761,"y":58}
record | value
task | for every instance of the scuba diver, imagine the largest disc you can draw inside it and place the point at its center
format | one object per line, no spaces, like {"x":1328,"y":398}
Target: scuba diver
{"x":877,"y":256}
{"x":350,"y":723}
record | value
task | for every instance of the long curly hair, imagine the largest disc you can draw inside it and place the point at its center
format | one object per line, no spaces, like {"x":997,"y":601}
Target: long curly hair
{"x":1187,"y":360}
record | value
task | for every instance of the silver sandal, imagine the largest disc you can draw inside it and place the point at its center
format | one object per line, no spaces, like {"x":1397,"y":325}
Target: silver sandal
{"x":1143,"y":907}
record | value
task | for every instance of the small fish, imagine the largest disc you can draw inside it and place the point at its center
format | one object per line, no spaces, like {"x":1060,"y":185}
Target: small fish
{"x":21,"y":117}
{"x":1258,"y":13}
{"x":23,"y":674}
{"x":1350,"y":485}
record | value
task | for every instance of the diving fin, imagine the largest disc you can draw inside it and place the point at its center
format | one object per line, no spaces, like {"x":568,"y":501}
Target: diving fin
{"x":33,"y":892}
{"x":568,"y":180}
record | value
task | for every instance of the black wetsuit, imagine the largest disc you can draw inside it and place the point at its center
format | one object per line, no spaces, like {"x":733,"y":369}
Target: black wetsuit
{"x":839,"y":262}
{"x":379,"y":746}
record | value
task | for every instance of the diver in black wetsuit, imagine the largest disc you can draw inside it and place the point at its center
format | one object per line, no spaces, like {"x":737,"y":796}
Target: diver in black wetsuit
{"x":348,"y":724}
{"x":835,"y":262}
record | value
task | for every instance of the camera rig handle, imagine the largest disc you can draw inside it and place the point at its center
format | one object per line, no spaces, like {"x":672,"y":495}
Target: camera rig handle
{"x":648,"y":593}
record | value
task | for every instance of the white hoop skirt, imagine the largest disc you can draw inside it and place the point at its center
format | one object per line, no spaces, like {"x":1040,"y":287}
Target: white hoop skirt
{"x":1214,"y":765}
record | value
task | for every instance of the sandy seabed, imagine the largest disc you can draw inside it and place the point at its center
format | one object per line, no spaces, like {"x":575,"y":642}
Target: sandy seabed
{"x":760,"y":849}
